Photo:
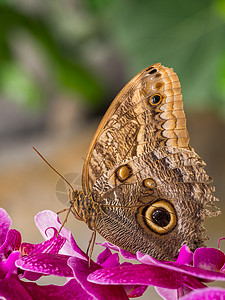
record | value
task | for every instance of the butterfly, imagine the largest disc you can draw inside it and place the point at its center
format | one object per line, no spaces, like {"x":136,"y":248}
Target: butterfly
{"x":143,"y":186}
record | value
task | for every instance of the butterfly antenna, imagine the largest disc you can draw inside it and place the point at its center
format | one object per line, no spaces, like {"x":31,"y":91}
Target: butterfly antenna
{"x":53,"y":168}
{"x":67,"y":209}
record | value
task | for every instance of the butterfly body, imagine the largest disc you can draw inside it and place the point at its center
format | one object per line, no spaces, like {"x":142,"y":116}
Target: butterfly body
{"x":144,"y":188}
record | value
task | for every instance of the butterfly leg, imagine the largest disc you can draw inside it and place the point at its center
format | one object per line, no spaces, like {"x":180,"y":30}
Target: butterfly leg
{"x":61,"y":211}
{"x":66,"y":218}
{"x":91,"y":246}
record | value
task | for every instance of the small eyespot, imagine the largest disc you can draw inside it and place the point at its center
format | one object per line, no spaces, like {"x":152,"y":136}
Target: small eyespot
{"x":159,"y":85}
{"x":155,"y":99}
{"x":158,"y":75}
{"x":160,"y":217}
{"x":148,"y":69}
{"x":149,"y":183}
{"x":123,"y":173}
{"x":152,"y":71}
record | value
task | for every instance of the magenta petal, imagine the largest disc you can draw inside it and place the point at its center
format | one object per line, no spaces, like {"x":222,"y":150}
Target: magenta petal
{"x":135,"y":291}
{"x":12,"y":243}
{"x":7,"y":266}
{"x":53,"y":245}
{"x":223,"y":269}
{"x":124,"y":253}
{"x":206,"y":294}
{"x":185,"y":256}
{"x":82,"y":270}
{"x":31,"y":275}
{"x":103,"y":256}
{"x":46,"y":263}
{"x":112,"y":261}
{"x":182,"y":291}
{"x":173,"y":266}
{"x":5,"y":223}
{"x":46,"y":219}
{"x":167,"y":294}
{"x":149,"y":260}
{"x":72,"y":290}
{"x":76,"y":250}
{"x":192,"y":282}
{"x":202,"y":274}
{"x":27,"y":248}
{"x":223,"y":238}
{"x":10,"y":261}
{"x":138,"y":275}
{"x":209,"y":259}
{"x":11,"y":288}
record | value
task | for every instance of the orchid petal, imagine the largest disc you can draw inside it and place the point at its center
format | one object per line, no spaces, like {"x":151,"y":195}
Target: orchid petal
{"x":206,"y":294}
{"x":81,"y":271}
{"x":209,"y":259}
{"x":53,"y":245}
{"x":192,"y":282}
{"x":5,"y":223}
{"x":76,"y":250}
{"x":11,"y":288}
{"x":135,"y":291}
{"x":46,"y":219}
{"x":46,"y":263}
{"x":137,"y":275}
{"x":7,"y":266}
{"x":12,"y":243}
{"x":167,"y":294}
{"x":71,"y":290}
{"x":173,"y":266}
{"x":124,"y":253}
{"x":185,"y":256}
{"x":103,"y":256}
{"x":112,"y":261}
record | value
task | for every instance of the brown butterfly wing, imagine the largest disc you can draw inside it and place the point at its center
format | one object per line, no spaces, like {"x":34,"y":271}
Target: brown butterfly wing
{"x":131,"y":126}
{"x":179,"y":180}
{"x":151,"y":186}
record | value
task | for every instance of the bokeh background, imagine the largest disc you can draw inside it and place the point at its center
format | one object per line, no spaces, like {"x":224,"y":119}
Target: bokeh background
{"x":63,"y":62}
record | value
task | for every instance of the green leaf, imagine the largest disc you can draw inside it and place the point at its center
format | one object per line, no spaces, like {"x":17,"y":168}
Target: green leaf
{"x":17,"y":85}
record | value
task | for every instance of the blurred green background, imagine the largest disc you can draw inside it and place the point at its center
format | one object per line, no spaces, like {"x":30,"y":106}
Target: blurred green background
{"x":90,"y":48}
{"x":63,"y":62}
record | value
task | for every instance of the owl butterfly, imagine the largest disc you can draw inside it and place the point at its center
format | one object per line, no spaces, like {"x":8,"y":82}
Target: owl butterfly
{"x":143,"y":186}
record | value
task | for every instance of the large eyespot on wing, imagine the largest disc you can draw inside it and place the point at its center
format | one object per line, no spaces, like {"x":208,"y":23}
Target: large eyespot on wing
{"x":147,"y":113}
{"x":159,"y":216}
